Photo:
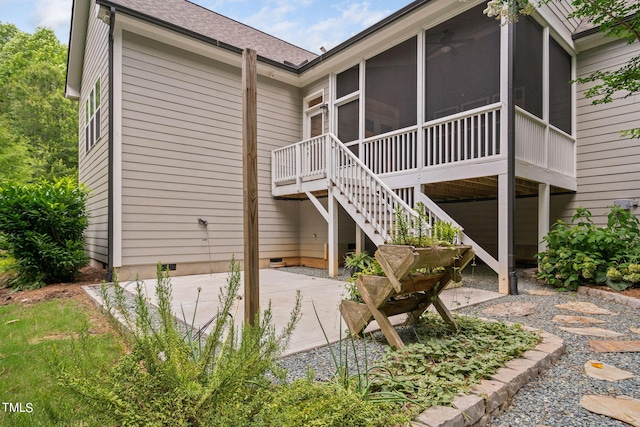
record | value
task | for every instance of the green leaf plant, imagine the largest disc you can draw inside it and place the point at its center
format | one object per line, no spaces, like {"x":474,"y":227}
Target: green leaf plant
{"x":582,"y":252}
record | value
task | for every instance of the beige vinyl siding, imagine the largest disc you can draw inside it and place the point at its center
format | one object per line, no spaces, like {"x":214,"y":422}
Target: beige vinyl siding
{"x":560,"y":10}
{"x":182,"y":161}
{"x":313,"y":224}
{"x":606,"y":163}
{"x":93,"y":166}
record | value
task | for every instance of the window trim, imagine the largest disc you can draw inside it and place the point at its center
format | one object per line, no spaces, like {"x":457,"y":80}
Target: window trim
{"x":93,"y":119}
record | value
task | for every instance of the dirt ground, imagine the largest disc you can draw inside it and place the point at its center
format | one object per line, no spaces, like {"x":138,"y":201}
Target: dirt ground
{"x":87,"y":276}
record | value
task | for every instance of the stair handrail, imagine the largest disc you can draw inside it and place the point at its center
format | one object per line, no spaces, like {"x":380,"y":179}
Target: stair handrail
{"x":390,"y":201}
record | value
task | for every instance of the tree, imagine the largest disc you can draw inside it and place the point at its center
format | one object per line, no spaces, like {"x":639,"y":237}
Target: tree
{"x":614,"y":18}
{"x":39,"y":125}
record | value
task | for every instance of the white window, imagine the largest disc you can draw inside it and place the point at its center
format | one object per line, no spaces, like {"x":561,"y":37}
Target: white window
{"x":92,"y":117}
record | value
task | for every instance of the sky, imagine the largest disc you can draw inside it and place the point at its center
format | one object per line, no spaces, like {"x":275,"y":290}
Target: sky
{"x":306,"y":23}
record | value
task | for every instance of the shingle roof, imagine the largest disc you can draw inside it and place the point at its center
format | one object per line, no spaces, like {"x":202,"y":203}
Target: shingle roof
{"x":197,"y":19}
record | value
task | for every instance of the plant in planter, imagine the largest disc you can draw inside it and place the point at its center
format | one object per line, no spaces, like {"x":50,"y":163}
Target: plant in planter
{"x":372,"y":269}
{"x":415,"y":267}
{"x":357,"y":261}
{"x":417,"y":231}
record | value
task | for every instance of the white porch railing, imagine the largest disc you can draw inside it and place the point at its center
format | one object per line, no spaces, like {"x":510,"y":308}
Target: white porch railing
{"x":462,"y":137}
{"x":299,"y":162}
{"x":392,"y":152}
{"x":371,"y":197}
{"x":469,"y":135}
{"x":544,"y":145}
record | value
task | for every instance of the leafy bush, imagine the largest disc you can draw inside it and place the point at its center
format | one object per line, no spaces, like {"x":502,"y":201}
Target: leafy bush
{"x":585,"y":253}
{"x":43,"y":226}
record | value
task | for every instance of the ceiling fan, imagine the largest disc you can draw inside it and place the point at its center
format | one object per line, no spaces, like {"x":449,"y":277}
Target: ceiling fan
{"x":446,"y":44}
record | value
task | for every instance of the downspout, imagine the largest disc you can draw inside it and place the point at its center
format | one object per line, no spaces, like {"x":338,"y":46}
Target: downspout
{"x":511,"y":163}
{"x":110,"y":234}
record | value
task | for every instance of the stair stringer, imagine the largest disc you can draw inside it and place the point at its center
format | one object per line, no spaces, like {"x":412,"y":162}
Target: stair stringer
{"x":359,"y":219}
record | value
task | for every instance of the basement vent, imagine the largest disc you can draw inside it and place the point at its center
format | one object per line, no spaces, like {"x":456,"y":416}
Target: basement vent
{"x":170,"y":267}
{"x":277,"y":263}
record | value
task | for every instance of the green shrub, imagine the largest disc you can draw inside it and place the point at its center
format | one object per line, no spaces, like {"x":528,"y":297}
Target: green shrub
{"x":585,"y":253}
{"x":172,"y":376}
{"x":43,"y":226}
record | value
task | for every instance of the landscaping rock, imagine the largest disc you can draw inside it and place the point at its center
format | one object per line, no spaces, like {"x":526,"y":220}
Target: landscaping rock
{"x":620,"y":408}
{"x":582,"y":320}
{"x":604,"y":371}
{"x":593,"y":332}
{"x":509,"y":309}
{"x":611,"y":346}
{"x":584,"y":307}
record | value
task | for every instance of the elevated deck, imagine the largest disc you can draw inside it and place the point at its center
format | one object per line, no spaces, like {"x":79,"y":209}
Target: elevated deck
{"x":453,"y":158}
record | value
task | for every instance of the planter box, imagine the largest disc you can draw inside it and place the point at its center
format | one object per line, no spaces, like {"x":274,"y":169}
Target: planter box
{"x":404,"y":290}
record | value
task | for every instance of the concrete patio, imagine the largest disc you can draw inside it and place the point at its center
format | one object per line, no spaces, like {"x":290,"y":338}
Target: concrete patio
{"x":280,"y":288}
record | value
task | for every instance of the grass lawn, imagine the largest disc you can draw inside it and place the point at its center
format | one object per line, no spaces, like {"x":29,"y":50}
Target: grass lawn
{"x":32,"y":335}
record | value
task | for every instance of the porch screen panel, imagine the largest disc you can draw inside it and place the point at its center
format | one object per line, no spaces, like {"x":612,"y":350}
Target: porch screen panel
{"x":462,"y":64}
{"x":348,"y":82}
{"x":391,"y":89}
{"x":528,"y":66}
{"x":348,"y":121}
{"x":559,"y":87}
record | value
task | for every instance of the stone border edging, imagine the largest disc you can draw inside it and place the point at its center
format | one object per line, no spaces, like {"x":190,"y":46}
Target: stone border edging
{"x":489,"y":398}
{"x":610,"y":296}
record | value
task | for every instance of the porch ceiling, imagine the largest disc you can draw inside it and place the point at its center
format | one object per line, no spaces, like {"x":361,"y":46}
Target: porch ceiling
{"x":479,"y":189}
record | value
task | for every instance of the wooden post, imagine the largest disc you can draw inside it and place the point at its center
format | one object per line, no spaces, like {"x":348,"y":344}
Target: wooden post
{"x":250,"y":185}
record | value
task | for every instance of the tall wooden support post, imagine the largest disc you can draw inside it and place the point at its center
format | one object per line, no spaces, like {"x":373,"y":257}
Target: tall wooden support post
{"x":544,"y":206}
{"x":360,"y":239}
{"x":250,"y":185}
{"x":511,"y":161}
{"x":503,"y":235}
{"x":333,"y":235}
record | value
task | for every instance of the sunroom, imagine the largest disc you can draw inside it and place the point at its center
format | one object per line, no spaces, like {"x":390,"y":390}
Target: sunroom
{"x":459,"y":111}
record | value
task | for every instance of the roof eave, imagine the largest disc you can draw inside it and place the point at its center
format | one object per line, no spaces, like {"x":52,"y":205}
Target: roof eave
{"x":76,"y":48}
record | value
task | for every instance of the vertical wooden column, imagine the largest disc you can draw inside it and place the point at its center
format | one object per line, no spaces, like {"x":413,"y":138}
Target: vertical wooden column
{"x":544,"y":206}
{"x":250,"y":185}
{"x":360,"y":239}
{"x":333,"y":235}
{"x":503,"y":235}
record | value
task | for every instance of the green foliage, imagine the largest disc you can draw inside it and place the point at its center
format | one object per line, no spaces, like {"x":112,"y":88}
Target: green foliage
{"x":583,"y":252}
{"x":43,"y":226}
{"x":372,"y":269}
{"x":163,"y":381}
{"x":14,"y":157}
{"x":358,"y":261}
{"x":444,"y":363}
{"x":38,"y":125}
{"x":304,"y":403}
{"x":417,"y":231}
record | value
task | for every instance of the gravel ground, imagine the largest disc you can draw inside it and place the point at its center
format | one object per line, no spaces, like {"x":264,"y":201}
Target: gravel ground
{"x":552,"y":399}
